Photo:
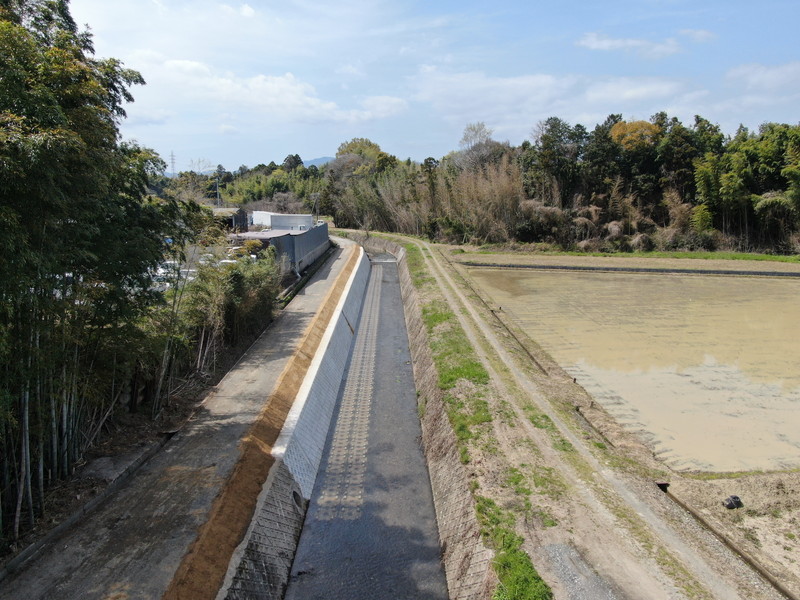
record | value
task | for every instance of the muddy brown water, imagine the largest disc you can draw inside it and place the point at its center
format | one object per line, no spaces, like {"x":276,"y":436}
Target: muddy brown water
{"x":705,"y":369}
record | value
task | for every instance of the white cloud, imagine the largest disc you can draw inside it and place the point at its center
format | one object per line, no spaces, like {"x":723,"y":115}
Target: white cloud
{"x":630,"y":89}
{"x":699,"y":36}
{"x":756,"y":76}
{"x":508,"y":104}
{"x":762,"y":93}
{"x":148,"y":117}
{"x":595,"y":41}
{"x":350,"y":70}
{"x":282,"y":96}
{"x":305,"y":72}
{"x":245,"y":10}
{"x":444,"y":89}
{"x":646,"y":48}
{"x":147,"y":56}
{"x":289,"y":98}
{"x":410,"y":26}
{"x":191,"y":68}
{"x":511,"y":105}
{"x":381,"y":107}
{"x":265,"y":97}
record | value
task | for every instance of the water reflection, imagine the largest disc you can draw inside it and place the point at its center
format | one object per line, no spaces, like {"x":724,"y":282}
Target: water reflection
{"x":703,"y":367}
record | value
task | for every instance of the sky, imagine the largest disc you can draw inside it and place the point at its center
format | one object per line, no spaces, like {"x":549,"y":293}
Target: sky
{"x":242,"y":83}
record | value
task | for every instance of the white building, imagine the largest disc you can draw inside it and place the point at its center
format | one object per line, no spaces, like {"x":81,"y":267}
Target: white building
{"x":293,"y":222}
{"x":262,"y":218}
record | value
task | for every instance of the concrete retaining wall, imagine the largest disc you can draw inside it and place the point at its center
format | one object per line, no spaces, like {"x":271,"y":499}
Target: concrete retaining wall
{"x":261,"y":564}
{"x":467,"y":561}
{"x":302,"y":439}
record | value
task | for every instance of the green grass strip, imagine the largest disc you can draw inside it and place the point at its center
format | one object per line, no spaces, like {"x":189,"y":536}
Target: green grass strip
{"x":454,"y":357}
{"x":720,"y":255}
{"x":519,"y":580}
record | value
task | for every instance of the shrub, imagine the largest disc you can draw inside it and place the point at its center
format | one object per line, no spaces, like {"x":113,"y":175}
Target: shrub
{"x":642,"y":242}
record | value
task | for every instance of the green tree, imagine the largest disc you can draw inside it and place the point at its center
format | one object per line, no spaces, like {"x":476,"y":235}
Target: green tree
{"x":602,"y":158}
{"x":75,"y":285}
{"x":363,"y":147}
{"x":792,"y":170}
{"x":292,"y":162}
{"x":639,"y":165}
{"x":385,"y":162}
{"x":676,"y":152}
{"x":708,"y":137}
{"x":553,"y":164}
{"x":708,"y":183}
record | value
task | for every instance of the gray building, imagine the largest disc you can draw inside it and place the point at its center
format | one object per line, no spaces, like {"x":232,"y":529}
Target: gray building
{"x":298,"y":248}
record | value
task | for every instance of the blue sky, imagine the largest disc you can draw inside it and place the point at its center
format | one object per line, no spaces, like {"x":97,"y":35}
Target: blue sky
{"x":242,"y":83}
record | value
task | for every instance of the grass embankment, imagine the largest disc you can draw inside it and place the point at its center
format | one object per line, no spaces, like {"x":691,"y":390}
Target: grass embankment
{"x":459,"y":369}
{"x":717,"y":255}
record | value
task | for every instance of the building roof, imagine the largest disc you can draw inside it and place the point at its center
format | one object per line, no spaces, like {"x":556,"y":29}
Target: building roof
{"x":225,"y":212}
{"x":265,"y":235}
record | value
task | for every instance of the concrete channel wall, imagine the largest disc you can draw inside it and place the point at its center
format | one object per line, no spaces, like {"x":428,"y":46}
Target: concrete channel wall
{"x":467,"y":561}
{"x":260,"y":567}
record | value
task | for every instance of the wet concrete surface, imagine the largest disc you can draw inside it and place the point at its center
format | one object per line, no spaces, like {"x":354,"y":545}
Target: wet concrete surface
{"x":370,"y":531}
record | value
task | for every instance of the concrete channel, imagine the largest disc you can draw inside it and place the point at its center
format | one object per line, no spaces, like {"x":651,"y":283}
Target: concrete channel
{"x":371,"y":528}
{"x":353,"y":455}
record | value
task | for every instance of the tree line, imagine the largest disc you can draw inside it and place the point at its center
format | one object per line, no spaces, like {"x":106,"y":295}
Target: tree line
{"x":623,"y":186}
{"x":100,"y":311}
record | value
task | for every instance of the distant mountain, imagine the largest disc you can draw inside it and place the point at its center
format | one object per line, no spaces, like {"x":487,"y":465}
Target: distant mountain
{"x":318,"y":162}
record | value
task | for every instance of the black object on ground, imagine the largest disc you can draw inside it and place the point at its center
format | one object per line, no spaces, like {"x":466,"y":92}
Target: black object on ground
{"x":732,"y":502}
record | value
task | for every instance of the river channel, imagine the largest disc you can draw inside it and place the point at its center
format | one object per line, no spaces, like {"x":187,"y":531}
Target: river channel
{"x":703,"y":368}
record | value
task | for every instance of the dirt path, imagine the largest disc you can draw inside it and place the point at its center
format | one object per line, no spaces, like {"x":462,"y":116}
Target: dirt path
{"x":603,"y":508}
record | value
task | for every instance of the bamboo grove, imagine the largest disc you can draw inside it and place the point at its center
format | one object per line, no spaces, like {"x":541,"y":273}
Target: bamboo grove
{"x":85,"y":331}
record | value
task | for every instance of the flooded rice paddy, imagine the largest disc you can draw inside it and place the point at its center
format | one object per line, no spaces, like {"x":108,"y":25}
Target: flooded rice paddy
{"x":705,"y":369}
